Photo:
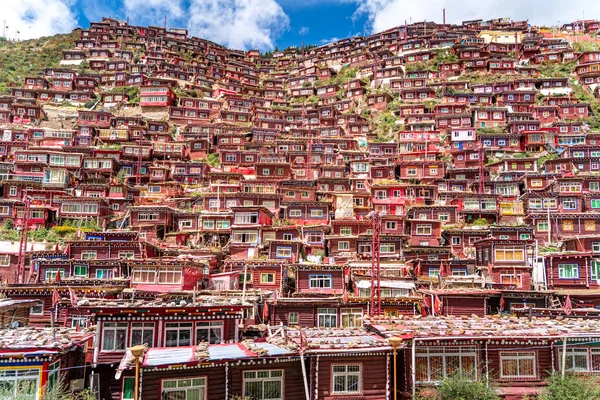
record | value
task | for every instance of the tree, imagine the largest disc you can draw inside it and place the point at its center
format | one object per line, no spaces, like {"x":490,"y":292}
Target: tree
{"x":459,"y":388}
{"x":572,"y":387}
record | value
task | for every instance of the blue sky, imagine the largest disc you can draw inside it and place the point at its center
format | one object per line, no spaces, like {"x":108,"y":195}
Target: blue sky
{"x":311,"y":22}
{"x":266,"y":24}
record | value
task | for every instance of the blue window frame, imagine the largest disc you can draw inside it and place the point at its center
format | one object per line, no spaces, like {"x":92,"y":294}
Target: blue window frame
{"x":283,"y":252}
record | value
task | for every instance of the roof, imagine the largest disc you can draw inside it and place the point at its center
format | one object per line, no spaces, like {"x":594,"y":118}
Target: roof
{"x":163,"y":356}
{"x":349,"y":340}
{"x":489,"y":327}
{"x":34,"y":341}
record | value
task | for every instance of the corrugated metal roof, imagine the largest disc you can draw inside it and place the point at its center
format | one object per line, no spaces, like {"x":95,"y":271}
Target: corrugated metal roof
{"x":171,"y":355}
{"x":228,"y":352}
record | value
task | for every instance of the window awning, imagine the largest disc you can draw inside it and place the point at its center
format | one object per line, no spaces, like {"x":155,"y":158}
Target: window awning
{"x":365,"y":284}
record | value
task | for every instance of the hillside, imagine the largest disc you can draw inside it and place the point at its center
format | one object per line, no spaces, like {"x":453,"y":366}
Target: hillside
{"x":30,"y":57}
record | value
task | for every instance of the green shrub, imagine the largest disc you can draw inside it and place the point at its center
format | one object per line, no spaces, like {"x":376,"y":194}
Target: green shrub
{"x":457,"y":388}
{"x":64,"y":230}
{"x":8,"y":225}
{"x":572,"y":387}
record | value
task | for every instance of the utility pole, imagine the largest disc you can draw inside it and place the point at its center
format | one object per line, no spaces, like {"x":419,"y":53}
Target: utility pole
{"x":4,"y":29}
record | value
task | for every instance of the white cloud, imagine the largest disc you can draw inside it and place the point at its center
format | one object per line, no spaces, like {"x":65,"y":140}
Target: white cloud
{"x":385,"y":14}
{"x":330,"y":40}
{"x":239,"y":24}
{"x":36,"y":18}
{"x":153,"y":12}
{"x":303,"y":31}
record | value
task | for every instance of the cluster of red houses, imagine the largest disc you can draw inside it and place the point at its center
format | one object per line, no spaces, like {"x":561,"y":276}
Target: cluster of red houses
{"x":260,"y":224}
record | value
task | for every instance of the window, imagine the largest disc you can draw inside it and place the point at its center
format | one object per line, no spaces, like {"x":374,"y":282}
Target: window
{"x":20,"y":383}
{"x":5,"y":260}
{"x":246,"y":218}
{"x":223,"y":224}
{"x":542,"y":226}
{"x":589,"y":225}
{"x":129,"y":254}
{"x":89,"y":255}
{"x":344,"y":245}
{"x":295,"y":213}
{"x":581,"y":359}
{"x":80,"y":271}
{"x":293,"y":318}
{"x":316,"y":213}
{"x":390,"y":225}
{"x":434,"y":364}
{"x":183,"y":389}
{"x":569,"y":203}
{"x":509,"y":254}
{"x":568,"y":271}
{"x":345,"y":231}
{"x":283,"y":252}
{"x":128,"y":392}
{"x":144,"y":275}
{"x":209,"y":332}
{"x":433,"y":272}
{"x":267,"y":277}
{"x":169,"y":275}
{"x":147,"y":217}
{"x":595,"y":268}
{"x":178,"y":334}
{"x":38,"y":309}
{"x":52,"y":272}
{"x":104,"y":274}
{"x":351,"y":317}
{"x":263,"y":384}
{"x":245,"y":237}
{"x":567,"y":225}
{"x":142,"y":333}
{"x":346,"y":379}
{"x":327,"y":318}
{"x":314,"y":237}
{"x":518,"y":364}
{"x":387,"y":247}
{"x":320,"y":281}
{"x":423,"y":230}
{"x":80,"y":321}
{"x":114,"y":336}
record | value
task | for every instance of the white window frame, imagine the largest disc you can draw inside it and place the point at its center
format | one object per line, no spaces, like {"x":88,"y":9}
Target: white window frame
{"x":327,"y":317}
{"x":262,"y":377}
{"x":423,"y":228}
{"x":214,"y":331}
{"x":320,"y":281}
{"x":341,"y":372}
{"x":115,"y":328}
{"x":145,"y":328}
{"x":198,"y":384}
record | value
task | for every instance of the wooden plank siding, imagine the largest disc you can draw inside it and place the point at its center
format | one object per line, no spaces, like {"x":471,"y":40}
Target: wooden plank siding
{"x":151,"y":381}
{"x":374,"y":381}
